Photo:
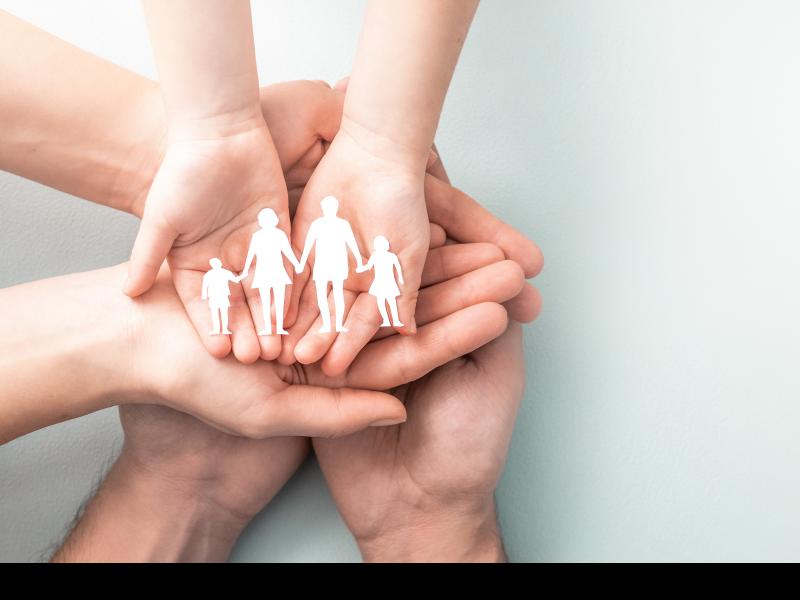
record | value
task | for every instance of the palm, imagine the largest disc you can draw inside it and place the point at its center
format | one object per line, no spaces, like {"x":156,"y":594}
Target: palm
{"x":451,"y":447}
{"x":377,"y":198}
{"x":222,"y":184}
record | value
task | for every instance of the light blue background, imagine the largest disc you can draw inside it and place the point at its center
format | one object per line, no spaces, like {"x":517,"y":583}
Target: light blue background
{"x":651,"y":148}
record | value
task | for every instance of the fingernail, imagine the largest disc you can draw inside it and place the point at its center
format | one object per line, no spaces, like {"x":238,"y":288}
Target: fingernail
{"x":387,"y":422}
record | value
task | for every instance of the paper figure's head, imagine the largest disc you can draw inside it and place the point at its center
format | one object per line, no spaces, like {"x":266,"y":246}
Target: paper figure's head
{"x":330,"y":206}
{"x":267,"y":218}
{"x":380,"y":243}
{"x":215,"y":263}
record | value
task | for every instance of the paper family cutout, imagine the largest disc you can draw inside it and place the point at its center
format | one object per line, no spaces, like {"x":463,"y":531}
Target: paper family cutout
{"x":331,"y":237}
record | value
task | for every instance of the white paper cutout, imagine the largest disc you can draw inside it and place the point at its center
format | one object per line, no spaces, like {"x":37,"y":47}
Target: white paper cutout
{"x":332,"y":237}
{"x":268,"y":246}
{"x":384,"y":287}
{"x":216,"y":290}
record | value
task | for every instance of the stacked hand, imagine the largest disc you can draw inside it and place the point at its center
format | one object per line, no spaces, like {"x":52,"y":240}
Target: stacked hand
{"x":412,"y":469}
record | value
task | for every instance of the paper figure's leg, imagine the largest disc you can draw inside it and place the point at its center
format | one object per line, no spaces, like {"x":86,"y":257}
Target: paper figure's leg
{"x":214,"y":320}
{"x":338,"y":305}
{"x":322,"y":302}
{"x":279,"y":292}
{"x":393,"y":307}
{"x":224,"y":312}
{"x":382,"y":309}
{"x":264,"y":293}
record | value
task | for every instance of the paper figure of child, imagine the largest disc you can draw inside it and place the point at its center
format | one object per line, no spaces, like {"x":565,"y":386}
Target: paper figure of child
{"x":332,"y":237}
{"x":268,"y":246}
{"x":384,"y":287}
{"x":216,"y":291}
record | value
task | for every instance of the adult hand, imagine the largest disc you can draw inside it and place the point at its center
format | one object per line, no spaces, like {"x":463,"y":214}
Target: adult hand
{"x":459,"y":311}
{"x":180,"y":491}
{"x":455,"y":217}
{"x":423,"y":490}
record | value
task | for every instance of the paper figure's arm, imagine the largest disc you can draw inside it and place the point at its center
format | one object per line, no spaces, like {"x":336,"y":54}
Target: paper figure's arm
{"x":368,"y":266}
{"x":396,"y":263}
{"x":311,"y":238}
{"x":76,"y":122}
{"x":350,"y":239}
{"x":65,"y":350}
{"x":204,"y":295}
{"x":288,"y":252}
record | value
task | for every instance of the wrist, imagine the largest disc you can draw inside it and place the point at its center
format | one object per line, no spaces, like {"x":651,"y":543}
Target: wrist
{"x":454,"y":534}
{"x":140,"y":516}
{"x":188,"y":126}
{"x":144,"y":127}
{"x":408,"y":154}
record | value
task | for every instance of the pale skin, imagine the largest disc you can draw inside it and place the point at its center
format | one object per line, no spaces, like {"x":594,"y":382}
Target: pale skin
{"x":376,"y":164}
{"x":220,"y":165}
{"x":183,"y":491}
{"x":107,"y":148}
{"x":113,"y":355}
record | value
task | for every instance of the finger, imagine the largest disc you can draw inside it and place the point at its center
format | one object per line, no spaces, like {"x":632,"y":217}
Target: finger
{"x":314,"y":344}
{"x":412,"y":259}
{"x":401,"y":359}
{"x":526,"y":306}
{"x":244,"y":341}
{"x":307,"y":313}
{"x":436,"y":167}
{"x":363,"y":322}
{"x":498,"y":282}
{"x":466,"y":274}
{"x":188,"y":284}
{"x":453,"y":260}
{"x":269,"y":346}
{"x":152,"y":244}
{"x":342,"y":84}
{"x":438,"y":236}
{"x":324,"y":412}
{"x":467,"y":221}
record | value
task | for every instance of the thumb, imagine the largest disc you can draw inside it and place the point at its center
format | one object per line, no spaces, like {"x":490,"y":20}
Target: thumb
{"x":326,"y":412}
{"x":153,"y":243}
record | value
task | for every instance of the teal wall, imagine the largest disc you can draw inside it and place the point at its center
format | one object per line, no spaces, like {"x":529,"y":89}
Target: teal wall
{"x":650,"y":147}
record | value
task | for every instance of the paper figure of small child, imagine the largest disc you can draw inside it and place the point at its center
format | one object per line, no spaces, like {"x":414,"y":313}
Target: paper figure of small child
{"x":384,"y":287}
{"x":216,"y":290}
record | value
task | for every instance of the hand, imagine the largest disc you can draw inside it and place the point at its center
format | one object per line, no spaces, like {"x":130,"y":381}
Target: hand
{"x":459,"y":311}
{"x":233,"y":174}
{"x":423,"y":490}
{"x":235,"y":475}
{"x":181,"y":491}
{"x":378,"y":196}
{"x":455,"y":216}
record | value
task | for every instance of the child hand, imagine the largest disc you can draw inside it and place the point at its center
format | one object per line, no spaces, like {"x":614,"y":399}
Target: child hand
{"x":377,"y":196}
{"x":203,"y":202}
